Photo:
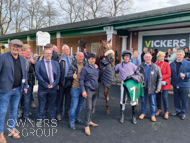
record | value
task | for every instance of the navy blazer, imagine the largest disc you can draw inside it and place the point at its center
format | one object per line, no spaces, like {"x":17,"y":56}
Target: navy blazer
{"x":42,"y":77}
{"x":176,"y":80}
{"x":7,"y":72}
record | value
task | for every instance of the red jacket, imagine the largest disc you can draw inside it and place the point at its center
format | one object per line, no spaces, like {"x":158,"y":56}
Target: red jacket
{"x":166,"y":74}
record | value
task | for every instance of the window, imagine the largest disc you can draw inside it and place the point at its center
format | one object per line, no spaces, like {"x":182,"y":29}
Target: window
{"x":94,"y":47}
{"x":39,"y":50}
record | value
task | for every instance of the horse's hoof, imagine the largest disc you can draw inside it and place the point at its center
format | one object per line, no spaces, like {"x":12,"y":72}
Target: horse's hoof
{"x":108,"y":112}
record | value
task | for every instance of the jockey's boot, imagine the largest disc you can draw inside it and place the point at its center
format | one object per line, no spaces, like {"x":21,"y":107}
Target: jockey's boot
{"x":134,"y":119}
{"x":121,"y":109}
{"x":122,"y":118}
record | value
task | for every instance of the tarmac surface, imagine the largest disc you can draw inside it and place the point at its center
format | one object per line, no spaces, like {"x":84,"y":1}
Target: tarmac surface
{"x":173,"y":130}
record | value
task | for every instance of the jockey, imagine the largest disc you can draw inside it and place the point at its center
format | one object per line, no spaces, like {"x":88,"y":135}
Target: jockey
{"x":126,"y":69}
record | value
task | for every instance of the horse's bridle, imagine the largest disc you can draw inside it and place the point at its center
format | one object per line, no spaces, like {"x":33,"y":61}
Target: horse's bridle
{"x":102,"y":48}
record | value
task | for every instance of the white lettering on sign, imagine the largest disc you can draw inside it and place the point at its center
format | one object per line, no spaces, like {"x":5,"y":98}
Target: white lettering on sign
{"x":163,"y":43}
{"x":182,"y":42}
{"x":166,"y":43}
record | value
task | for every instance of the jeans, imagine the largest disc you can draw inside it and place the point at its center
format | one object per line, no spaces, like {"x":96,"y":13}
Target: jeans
{"x":31,"y":96}
{"x":90,"y":104}
{"x":43,"y":96}
{"x":63,"y":92}
{"x":77,"y":101}
{"x":14,"y":97}
{"x":164,"y":96}
{"x":181,"y":99}
{"x":151,"y":100}
{"x":27,"y":101}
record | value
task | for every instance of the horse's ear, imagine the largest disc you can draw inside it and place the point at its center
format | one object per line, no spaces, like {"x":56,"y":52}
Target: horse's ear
{"x":100,"y":41}
{"x":109,"y":41}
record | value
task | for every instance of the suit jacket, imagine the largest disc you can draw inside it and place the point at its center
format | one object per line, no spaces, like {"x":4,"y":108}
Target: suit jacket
{"x":42,"y":77}
{"x":176,"y":80}
{"x":7,"y":72}
{"x":85,"y":56}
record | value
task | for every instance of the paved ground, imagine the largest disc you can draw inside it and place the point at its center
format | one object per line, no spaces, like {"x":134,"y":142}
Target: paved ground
{"x":110,"y":130}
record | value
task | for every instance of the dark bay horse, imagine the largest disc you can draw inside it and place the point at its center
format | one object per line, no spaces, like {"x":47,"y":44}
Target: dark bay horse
{"x":103,"y":48}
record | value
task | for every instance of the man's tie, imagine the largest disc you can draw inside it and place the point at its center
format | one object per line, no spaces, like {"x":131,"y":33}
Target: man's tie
{"x":49,"y":72}
{"x":68,"y":63}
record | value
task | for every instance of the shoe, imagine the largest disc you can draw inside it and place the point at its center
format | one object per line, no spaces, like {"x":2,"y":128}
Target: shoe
{"x":176,"y":114}
{"x":39,"y":123}
{"x":158,"y":112}
{"x":28,"y":120}
{"x":2,"y":138}
{"x":72,"y":126}
{"x":153,"y":119}
{"x":166,"y":115}
{"x":33,"y":106}
{"x":142,"y":116}
{"x":30,"y":114}
{"x":53,"y":121}
{"x":20,"y":113}
{"x":58,"y":117}
{"x":122,"y":118}
{"x":79,"y":121}
{"x":183,"y":117}
{"x":93,"y":124}
{"x":66,"y":115}
{"x":14,"y":134}
{"x":87,"y":131}
{"x":134,"y":120}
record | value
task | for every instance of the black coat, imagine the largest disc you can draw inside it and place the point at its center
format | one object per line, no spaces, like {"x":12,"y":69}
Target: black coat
{"x":55,"y":56}
{"x":107,"y":75}
{"x":142,"y":57}
{"x":62,"y":64}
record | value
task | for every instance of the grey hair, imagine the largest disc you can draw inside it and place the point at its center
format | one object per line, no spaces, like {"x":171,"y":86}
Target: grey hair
{"x":181,"y":51}
{"x":64,"y":46}
{"x":23,"y":49}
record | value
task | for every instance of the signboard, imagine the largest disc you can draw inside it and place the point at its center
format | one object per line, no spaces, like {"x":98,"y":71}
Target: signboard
{"x":163,"y":42}
{"x":42,"y":38}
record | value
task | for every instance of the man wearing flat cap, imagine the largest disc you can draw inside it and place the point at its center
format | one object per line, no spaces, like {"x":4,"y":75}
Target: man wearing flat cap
{"x":13,"y":81}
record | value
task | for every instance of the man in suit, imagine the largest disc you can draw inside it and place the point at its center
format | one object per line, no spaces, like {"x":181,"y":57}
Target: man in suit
{"x":85,"y":54}
{"x":64,"y":87}
{"x":13,"y":78}
{"x":47,"y":72}
{"x":180,"y":80}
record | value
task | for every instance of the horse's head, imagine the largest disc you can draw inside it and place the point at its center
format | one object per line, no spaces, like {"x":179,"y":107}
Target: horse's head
{"x":104,"y":47}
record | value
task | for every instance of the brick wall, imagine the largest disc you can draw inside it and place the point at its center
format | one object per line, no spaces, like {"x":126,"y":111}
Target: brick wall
{"x":118,"y":47}
{"x":73,"y":42}
{"x":135,"y":40}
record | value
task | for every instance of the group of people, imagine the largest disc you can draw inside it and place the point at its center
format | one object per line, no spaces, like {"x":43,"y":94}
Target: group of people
{"x":172,"y":68}
{"x":69,"y":79}
{"x":58,"y":77}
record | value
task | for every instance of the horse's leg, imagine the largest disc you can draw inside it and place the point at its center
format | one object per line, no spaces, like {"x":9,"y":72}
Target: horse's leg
{"x":106,"y":91}
{"x":98,"y":96}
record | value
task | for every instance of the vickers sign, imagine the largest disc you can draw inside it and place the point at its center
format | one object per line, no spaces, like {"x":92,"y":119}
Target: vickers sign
{"x":163,"y":42}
